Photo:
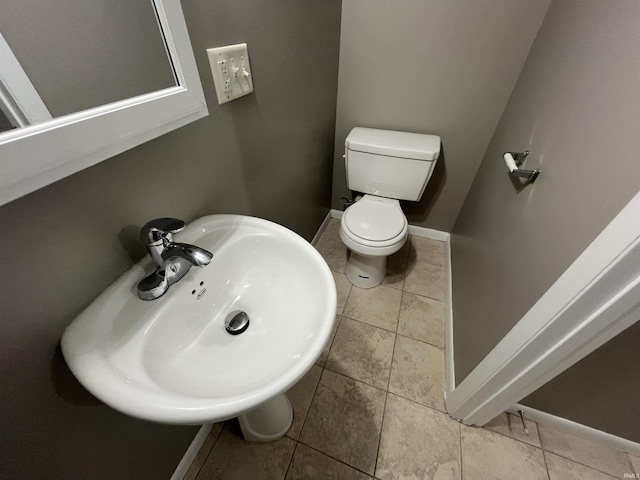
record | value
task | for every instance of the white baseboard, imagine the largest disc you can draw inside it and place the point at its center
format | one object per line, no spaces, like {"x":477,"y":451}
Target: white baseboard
{"x":429,"y":233}
{"x":336,"y":213}
{"x":450,"y":372}
{"x":578,"y":430}
{"x":192,"y":451}
{"x":323,"y":227}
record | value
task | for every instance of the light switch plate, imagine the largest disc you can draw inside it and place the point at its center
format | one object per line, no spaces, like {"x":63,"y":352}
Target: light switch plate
{"x":231,"y":71}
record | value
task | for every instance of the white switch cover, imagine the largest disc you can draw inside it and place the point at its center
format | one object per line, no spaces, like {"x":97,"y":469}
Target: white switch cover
{"x":231,"y":71}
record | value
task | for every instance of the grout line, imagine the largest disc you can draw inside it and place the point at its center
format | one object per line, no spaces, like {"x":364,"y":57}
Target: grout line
{"x":460,"y":447}
{"x":423,"y":296}
{"x":422,"y":405}
{"x":510,"y":437}
{"x":393,"y":356}
{"x":336,"y":459}
{"x":210,"y":450}
{"x":386,"y":396}
{"x":580,"y":463}
{"x":295,"y":447}
{"x":306,"y":413}
{"x":369,"y":324}
{"x":355,"y":380}
{"x":346,"y":300}
{"x":338,"y":322}
{"x":546,"y":465}
{"x":422,"y":341}
{"x":384,"y":411}
{"x":315,"y":390}
{"x":426,"y":296}
{"x":342,"y":374}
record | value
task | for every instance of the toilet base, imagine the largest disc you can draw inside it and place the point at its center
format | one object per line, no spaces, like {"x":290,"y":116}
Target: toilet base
{"x":269,"y":421}
{"x":366,"y":272}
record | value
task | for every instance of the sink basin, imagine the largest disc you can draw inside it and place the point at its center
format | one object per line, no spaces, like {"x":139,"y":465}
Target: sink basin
{"x":171,"y":360}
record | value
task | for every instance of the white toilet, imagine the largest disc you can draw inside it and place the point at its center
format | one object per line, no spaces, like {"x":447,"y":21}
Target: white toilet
{"x":385,"y":166}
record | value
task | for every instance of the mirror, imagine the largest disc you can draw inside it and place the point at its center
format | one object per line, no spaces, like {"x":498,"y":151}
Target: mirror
{"x":60,"y":124}
{"x":91,"y":53}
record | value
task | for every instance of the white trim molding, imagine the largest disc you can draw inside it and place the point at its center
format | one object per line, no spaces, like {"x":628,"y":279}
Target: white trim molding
{"x":323,"y":227}
{"x":37,"y":155}
{"x":596,"y":298}
{"x":192,"y":451}
{"x":450,"y":372}
{"x":429,"y":233}
{"x":577,"y":429}
{"x":336,"y":213}
{"x":19,"y":100}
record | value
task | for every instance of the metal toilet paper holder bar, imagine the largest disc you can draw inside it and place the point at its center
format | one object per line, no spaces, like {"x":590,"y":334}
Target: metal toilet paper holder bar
{"x":514,"y":161}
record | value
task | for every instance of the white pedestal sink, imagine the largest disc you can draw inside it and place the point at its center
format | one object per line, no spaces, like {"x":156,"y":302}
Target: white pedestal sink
{"x":171,"y":360}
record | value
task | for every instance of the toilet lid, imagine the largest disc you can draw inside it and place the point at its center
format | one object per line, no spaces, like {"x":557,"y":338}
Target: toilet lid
{"x":374,"y":220}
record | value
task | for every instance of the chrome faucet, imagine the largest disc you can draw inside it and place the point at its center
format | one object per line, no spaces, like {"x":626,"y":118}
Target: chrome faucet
{"x":172,"y":260}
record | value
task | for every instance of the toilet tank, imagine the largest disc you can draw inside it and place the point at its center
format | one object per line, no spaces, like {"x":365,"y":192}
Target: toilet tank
{"x":390,"y":164}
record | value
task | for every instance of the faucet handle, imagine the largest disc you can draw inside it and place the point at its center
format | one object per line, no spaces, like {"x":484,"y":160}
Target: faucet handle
{"x":156,"y":231}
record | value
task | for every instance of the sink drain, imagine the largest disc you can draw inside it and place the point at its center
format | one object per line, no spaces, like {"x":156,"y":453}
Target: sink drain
{"x":236,"y":322}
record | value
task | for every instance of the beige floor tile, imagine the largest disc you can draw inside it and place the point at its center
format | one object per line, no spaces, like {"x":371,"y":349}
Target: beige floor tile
{"x":422,"y":318}
{"x":309,"y":464}
{"x":343,"y":287}
{"x":300,"y":396}
{"x":333,"y":228}
{"x":562,"y":469}
{"x":233,"y":458}
{"x":488,"y":455}
{"x":418,"y":443}
{"x":322,"y":359}
{"x":203,"y":453}
{"x":362,"y":352}
{"x":378,"y":306}
{"x":345,"y":420}
{"x":426,"y":250}
{"x":396,"y":268}
{"x":591,"y":454}
{"x":417,"y":372}
{"x":635,"y":464}
{"x":332,"y":249}
{"x":511,"y":426}
{"x":425,"y":279}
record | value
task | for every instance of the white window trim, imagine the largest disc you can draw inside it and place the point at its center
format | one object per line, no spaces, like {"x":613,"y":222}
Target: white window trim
{"x":38,"y":155}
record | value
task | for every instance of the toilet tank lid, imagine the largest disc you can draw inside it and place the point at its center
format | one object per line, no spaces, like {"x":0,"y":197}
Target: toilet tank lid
{"x":395,"y":144}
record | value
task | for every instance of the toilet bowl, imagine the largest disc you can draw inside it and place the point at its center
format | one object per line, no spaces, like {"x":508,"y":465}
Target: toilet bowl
{"x":385,"y":166}
{"x":372,"y":228}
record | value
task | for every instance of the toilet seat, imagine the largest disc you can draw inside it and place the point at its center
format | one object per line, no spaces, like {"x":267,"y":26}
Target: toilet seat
{"x":375,"y":222}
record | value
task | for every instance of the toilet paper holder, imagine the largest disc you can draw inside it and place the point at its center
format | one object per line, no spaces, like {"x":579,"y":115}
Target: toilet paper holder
{"x":514,"y":161}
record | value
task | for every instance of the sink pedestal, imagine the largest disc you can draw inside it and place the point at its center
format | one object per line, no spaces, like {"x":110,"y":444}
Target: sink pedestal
{"x":269,"y":421}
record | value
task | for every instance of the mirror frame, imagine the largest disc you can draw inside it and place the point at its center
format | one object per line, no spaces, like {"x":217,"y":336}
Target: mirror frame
{"x":37,"y":155}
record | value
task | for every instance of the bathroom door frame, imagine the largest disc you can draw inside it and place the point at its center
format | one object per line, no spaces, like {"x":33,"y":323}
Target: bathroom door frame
{"x":595,"y":299}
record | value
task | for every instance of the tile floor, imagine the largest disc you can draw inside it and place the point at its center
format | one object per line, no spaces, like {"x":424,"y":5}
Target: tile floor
{"x":373,"y":405}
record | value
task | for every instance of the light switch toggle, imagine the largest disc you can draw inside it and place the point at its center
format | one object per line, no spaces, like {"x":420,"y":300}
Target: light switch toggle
{"x":231,"y":71}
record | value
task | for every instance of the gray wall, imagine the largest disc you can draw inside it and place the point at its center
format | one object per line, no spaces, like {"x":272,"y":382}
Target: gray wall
{"x":576,"y":108}
{"x":268,"y":154}
{"x":445,"y":67}
{"x":81,"y":54}
{"x":601,"y":390}
{"x":5,"y":124}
